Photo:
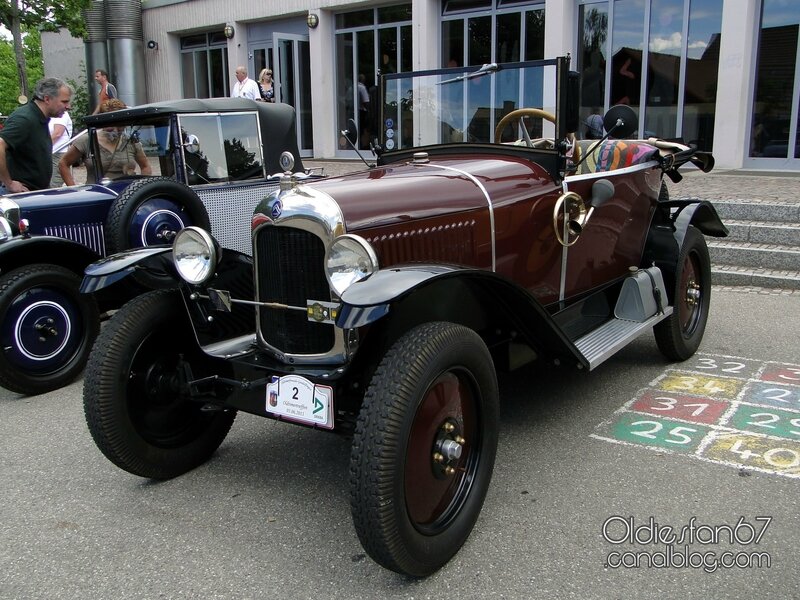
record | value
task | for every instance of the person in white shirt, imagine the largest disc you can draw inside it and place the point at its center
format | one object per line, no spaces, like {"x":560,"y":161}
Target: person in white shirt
{"x":60,"y":133}
{"x":244,"y":86}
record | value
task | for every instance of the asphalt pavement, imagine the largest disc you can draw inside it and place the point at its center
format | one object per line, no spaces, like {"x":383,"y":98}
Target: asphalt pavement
{"x":268,"y":515}
{"x":641,"y":479}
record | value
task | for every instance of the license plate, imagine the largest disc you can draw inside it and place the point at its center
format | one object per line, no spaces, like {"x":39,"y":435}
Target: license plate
{"x":296,"y":398}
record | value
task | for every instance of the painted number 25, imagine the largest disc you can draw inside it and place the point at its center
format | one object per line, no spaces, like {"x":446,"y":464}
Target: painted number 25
{"x":653,"y":427}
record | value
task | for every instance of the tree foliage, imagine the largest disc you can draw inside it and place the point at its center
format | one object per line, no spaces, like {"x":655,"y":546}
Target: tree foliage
{"x":20,"y":15}
{"x":9,"y":74}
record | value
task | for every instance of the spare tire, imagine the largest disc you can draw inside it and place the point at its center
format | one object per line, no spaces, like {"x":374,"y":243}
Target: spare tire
{"x":149,"y":212}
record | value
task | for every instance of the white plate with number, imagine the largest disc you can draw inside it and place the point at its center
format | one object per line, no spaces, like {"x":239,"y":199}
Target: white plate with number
{"x":296,"y":398}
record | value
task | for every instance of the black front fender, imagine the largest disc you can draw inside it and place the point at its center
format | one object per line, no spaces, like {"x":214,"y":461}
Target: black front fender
{"x":20,"y":251}
{"x":103,"y":273}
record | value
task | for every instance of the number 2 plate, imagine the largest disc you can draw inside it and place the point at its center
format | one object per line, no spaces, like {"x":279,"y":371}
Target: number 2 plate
{"x":296,"y":398}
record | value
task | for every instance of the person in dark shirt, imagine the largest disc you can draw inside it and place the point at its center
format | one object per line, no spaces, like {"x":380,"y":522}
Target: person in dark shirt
{"x":25,"y":144}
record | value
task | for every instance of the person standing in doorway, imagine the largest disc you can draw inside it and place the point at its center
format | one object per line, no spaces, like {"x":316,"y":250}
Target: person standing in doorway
{"x":107,"y":89}
{"x":244,"y":86}
{"x":60,"y":134}
{"x":266,"y":85}
{"x":25,"y":146}
{"x":363,"y":111}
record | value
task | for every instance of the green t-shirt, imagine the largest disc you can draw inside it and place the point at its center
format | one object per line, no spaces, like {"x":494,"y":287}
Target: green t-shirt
{"x":29,"y":147}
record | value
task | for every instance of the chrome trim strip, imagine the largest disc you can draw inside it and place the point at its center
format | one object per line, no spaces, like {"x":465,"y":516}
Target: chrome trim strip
{"x":480,"y":186}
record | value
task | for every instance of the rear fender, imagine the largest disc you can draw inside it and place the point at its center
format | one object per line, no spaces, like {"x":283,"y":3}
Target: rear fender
{"x":699,"y":213}
{"x":397,"y":299}
{"x":668,"y":230}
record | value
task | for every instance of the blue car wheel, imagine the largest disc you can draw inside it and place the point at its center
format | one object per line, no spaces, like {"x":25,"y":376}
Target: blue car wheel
{"x":149,"y":212}
{"x":47,"y":330}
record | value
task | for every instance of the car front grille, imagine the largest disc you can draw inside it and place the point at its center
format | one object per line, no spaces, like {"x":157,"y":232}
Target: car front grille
{"x":291,"y":266}
{"x":88,"y":234}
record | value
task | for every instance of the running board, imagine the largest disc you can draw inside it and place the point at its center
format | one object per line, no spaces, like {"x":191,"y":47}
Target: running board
{"x":602,"y":343}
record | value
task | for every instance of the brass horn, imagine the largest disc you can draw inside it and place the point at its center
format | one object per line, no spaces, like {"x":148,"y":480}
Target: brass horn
{"x":569,"y":217}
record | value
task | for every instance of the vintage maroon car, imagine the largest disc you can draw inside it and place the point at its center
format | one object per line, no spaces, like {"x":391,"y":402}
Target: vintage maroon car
{"x":382,"y":303}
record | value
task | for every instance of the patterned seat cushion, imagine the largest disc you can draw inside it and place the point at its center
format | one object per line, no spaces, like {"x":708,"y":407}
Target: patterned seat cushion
{"x":613,"y":154}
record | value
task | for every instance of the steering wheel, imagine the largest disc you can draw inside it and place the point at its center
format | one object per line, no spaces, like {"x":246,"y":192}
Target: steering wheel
{"x":532,"y":112}
{"x":518,"y":115}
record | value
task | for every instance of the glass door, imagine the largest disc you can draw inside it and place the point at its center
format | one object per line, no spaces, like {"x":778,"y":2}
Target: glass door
{"x":292,"y":80}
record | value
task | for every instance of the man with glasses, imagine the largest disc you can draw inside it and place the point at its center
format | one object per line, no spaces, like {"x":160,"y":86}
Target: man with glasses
{"x":244,"y":86}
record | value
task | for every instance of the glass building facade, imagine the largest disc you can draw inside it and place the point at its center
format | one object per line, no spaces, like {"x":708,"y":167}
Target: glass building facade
{"x":668,"y":59}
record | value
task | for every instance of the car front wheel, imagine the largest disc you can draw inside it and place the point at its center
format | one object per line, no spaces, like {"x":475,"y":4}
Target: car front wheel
{"x":424,"y":448}
{"x":47,"y":329}
{"x":135,"y":395}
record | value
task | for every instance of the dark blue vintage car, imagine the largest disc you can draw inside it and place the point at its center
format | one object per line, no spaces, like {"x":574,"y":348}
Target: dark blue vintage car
{"x":211,"y":162}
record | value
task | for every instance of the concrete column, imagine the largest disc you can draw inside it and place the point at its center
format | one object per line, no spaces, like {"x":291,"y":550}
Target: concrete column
{"x":561,"y":29}
{"x":322,"y":47}
{"x":237,"y":53}
{"x":426,"y":34}
{"x":737,"y":56}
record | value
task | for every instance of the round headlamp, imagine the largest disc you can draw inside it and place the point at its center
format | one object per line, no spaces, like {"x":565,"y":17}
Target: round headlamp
{"x":349,"y":259}
{"x":195,"y":255}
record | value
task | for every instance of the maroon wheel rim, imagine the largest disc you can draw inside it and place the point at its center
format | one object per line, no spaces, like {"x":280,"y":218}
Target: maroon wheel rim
{"x":442,"y":454}
{"x":691,"y":294}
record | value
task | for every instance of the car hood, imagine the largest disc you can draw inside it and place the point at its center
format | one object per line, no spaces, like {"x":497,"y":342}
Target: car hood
{"x":62,"y":197}
{"x":412,"y":190}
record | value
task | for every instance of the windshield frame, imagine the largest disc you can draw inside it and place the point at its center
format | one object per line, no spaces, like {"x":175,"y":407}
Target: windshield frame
{"x":556,"y":94}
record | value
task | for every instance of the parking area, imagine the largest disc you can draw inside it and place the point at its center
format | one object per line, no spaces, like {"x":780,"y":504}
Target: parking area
{"x":641,"y":479}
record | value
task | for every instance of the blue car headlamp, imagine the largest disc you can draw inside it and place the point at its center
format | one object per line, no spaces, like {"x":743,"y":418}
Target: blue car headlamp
{"x":195,"y":255}
{"x":349,"y":259}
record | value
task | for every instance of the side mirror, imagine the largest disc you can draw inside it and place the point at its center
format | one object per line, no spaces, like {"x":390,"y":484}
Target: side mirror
{"x":351,"y":133}
{"x":621,"y":121}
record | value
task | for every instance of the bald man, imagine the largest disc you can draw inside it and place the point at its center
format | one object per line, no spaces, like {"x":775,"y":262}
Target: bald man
{"x":244,"y":86}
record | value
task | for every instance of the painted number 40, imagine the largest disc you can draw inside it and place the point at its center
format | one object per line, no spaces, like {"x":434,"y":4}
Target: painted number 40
{"x":782,"y":458}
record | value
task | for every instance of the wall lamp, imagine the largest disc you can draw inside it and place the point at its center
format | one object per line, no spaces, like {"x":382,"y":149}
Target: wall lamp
{"x":228,"y":31}
{"x":152,"y":45}
{"x":312,"y":20}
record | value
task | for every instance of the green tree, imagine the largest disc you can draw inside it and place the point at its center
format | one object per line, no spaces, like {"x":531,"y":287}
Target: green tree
{"x":21,"y":15}
{"x":9,"y":75}
{"x":79,"y":107}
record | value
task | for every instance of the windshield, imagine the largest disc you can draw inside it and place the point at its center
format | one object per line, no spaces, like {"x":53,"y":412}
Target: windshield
{"x":466,"y":105}
{"x":132,"y":149}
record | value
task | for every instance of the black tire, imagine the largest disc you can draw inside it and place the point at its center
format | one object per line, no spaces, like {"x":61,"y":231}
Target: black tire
{"x":47,"y":330}
{"x":410,"y":513}
{"x":136,"y":412}
{"x":679,"y":335}
{"x":150,"y":211}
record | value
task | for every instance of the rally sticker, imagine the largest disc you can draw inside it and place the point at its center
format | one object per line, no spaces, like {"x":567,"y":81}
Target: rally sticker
{"x":296,"y":398}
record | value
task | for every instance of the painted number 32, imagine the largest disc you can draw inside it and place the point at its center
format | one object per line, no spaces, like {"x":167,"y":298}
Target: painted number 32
{"x":728,"y":366}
